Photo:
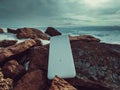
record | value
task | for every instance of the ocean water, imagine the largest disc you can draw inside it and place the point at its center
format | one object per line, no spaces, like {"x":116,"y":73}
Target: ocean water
{"x":105,"y":34}
{"x":10,"y":36}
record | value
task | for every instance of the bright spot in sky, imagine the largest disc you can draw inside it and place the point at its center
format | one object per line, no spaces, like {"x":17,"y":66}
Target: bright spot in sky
{"x":95,"y":3}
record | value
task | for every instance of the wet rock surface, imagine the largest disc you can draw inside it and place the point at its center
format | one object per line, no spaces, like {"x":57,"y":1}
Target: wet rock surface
{"x":6,"y":43}
{"x":9,"y":30}
{"x":31,"y":33}
{"x":52,"y":31}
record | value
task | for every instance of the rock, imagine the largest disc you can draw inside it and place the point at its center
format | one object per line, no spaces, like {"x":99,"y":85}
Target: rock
{"x":31,"y":33}
{"x":1,"y":30}
{"x":9,"y":30}
{"x":97,"y":62}
{"x":34,"y":80}
{"x":5,"y":83}
{"x":38,"y":42}
{"x":39,"y":58}
{"x":87,"y":38}
{"x":82,"y":84}
{"x":47,"y":46}
{"x":61,"y":84}
{"x":13,"y":69}
{"x":6,"y":43}
{"x":52,"y":31}
{"x":22,"y":58}
{"x":15,"y":49}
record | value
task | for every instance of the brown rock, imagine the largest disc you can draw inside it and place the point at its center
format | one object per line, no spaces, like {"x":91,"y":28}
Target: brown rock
{"x":39,"y":58}
{"x":97,"y":62}
{"x":34,"y":80}
{"x":9,"y":30}
{"x":31,"y":33}
{"x":87,"y":38}
{"x":5,"y":83}
{"x":22,"y":58}
{"x":61,"y":84}
{"x":82,"y":84}
{"x":13,"y":69}
{"x":47,"y":46}
{"x":52,"y":31}
{"x":6,"y":43}
{"x":15,"y":49}
{"x":38,"y":42}
{"x":1,"y":30}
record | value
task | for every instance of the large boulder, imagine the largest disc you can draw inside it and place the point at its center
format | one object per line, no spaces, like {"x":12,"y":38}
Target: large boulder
{"x":13,"y":69}
{"x":38,"y":58}
{"x":31,"y":33}
{"x":52,"y":31}
{"x":34,"y":80}
{"x":15,"y":49}
{"x":9,"y":30}
{"x":1,"y":30}
{"x":98,"y":62}
{"x":6,"y":43}
{"x":87,"y":38}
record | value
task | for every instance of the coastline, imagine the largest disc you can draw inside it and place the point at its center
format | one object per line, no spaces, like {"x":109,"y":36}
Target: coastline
{"x":26,"y":63}
{"x":10,"y":36}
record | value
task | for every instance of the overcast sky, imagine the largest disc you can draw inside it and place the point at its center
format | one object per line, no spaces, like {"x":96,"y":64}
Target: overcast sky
{"x":59,"y":13}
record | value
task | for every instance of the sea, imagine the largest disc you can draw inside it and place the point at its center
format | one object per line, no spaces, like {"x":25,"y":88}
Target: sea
{"x":107,"y":34}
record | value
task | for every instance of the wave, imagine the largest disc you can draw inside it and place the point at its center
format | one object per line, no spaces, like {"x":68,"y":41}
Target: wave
{"x":106,"y":36}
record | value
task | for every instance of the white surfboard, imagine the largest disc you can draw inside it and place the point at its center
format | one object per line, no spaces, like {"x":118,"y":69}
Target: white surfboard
{"x":60,"y":58}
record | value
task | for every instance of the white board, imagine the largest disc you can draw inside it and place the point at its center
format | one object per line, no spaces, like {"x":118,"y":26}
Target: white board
{"x":60,"y":58}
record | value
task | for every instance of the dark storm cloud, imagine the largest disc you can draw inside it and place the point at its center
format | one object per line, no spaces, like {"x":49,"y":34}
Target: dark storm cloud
{"x":58,"y":12}
{"x":27,"y":12}
{"x":21,"y":8}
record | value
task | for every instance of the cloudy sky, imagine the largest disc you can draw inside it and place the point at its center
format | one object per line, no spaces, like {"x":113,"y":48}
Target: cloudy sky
{"x":59,"y":13}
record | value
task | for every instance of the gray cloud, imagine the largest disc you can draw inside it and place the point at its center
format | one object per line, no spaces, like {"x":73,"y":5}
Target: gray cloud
{"x":58,"y":13}
{"x":21,"y":8}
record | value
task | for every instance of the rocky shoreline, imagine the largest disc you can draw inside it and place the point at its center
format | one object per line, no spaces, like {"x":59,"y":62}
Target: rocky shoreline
{"x":24,"y":65}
